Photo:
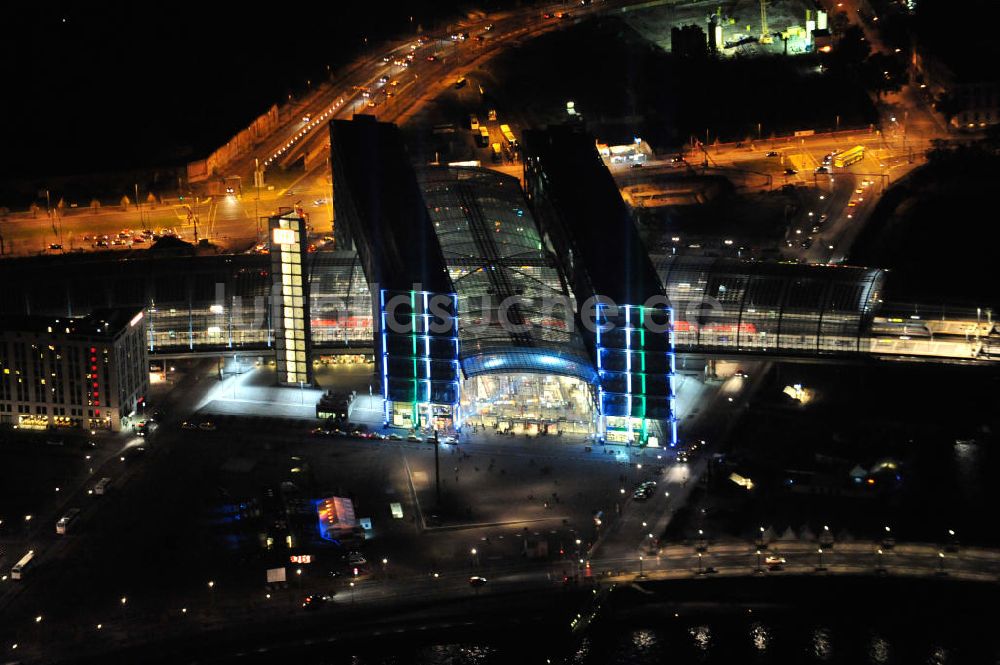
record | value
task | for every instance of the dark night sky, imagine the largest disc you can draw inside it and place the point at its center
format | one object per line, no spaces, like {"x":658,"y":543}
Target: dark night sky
{"x":103,"y":86}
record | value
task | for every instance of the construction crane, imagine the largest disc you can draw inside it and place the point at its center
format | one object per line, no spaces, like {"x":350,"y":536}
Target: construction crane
{"x":765,"y":34}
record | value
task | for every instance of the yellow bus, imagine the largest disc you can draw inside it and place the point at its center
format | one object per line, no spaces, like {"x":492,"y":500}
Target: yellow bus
{"x":497,"y":154}
{"x":848,"y":157}
{"x":509,"y":135}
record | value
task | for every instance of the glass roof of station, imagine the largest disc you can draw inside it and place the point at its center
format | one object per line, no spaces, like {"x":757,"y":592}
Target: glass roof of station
{"x":500,"y":269}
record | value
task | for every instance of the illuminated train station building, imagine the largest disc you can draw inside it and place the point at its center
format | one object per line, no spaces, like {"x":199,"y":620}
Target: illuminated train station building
{"x":490,"y":305}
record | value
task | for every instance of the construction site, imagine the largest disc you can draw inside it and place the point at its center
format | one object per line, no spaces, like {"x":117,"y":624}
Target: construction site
{"x":738,"y":28}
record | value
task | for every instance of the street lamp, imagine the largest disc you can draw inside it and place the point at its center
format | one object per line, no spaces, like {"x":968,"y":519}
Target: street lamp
{"x":700,"y":571}
{"x":640,"y":566}
{"x":759,"y":569}
{"x":352,"y":592}
{"x":952,"y":544}
{"x":819,"y":564}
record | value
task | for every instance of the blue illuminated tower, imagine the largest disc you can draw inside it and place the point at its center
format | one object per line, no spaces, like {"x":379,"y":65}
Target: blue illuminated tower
{"x":625,"y":318}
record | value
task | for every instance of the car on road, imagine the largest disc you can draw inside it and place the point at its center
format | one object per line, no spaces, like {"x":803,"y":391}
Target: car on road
{"x":790,"y":171}
{"x":414,"y":438}
{"x":476,"y":581}
{"x":189,"y":425}
{"x":395,"y":437}
{"x":133,"y":454}
{"x":822,"y":169}
{"x":315,"y":601}
{"x":644,"y":491}
{"x":774,"y":562}
{"x":138,"y":239}
{"x":207,"y":426}
{"x":773,"y":153}
{"x":741,"y":373}
{"x":55,"y":246}
{"x":635,"y":165}
{"x":356,"y":559}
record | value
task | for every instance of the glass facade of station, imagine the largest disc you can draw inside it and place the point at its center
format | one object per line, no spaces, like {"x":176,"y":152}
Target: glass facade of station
{"x":516,"y":313}
{"x":635,"y":361}
{"x":418,"y":358}
{"x":729,"y":305}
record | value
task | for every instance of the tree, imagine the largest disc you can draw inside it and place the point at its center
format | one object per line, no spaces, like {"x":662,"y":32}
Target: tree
{"x":883,"y":74}
{"x":947,"y":105}
{"x":850,"y":52}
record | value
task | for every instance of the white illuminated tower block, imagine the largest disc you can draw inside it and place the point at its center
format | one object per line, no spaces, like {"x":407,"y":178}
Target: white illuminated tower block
{"x":290,"y":299}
